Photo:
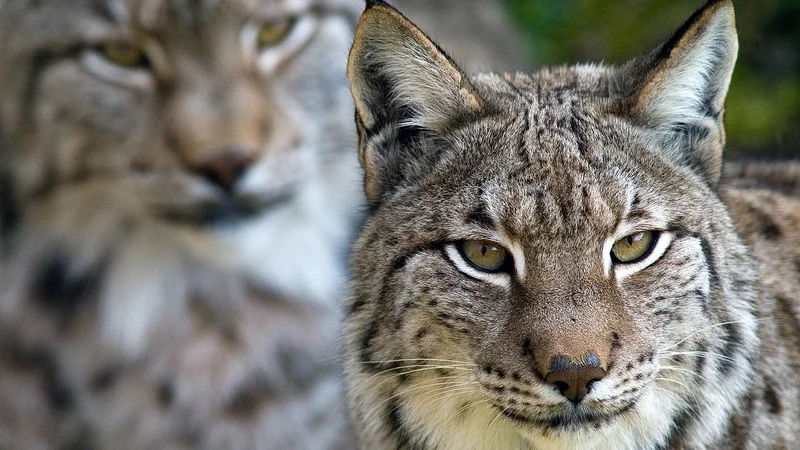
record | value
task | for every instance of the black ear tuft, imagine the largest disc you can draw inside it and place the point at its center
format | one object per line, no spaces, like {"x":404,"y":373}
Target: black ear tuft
{"x":371,"y":3}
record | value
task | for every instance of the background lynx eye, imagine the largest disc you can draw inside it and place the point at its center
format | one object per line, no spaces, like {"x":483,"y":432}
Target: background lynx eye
{"x":633,"y":247}
{"x":485,"y":255}
{"x":124,"y":54}
{"x":273,"y":33}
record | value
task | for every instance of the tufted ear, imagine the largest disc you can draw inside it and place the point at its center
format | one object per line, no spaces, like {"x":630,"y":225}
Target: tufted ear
{"x":405,"y":88}
{"x":683,"y":93}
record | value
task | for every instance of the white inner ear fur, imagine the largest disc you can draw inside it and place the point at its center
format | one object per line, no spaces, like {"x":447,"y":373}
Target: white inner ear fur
{"x":422,"y":78}
{"x":679,"y":90}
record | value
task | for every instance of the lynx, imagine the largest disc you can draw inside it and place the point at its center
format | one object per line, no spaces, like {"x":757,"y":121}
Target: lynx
{"x":554,"y":260}
{"x":176,"y":205}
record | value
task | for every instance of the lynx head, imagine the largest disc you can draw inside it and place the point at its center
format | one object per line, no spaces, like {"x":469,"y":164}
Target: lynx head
{"x":149,"y":141}
{"x":547,"y":263}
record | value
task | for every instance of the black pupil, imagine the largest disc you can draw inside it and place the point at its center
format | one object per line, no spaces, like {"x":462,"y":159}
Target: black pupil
{"x":484,"y":250}
{"x":633,"y":238}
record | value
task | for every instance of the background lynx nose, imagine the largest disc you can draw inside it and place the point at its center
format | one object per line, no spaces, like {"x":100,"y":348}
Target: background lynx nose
{"x":574,"y":378}
{"x":226,"y":167}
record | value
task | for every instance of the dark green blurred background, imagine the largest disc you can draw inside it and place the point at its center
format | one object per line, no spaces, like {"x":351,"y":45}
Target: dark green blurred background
{"x":763,"y":109}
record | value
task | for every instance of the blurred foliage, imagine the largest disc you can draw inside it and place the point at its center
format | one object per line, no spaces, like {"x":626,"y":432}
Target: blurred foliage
{"x":763,"y":108}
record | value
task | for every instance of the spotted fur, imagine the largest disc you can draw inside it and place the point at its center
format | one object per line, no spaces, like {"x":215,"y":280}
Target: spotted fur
{"x":698,"y":343}
{"x":143,"y":304}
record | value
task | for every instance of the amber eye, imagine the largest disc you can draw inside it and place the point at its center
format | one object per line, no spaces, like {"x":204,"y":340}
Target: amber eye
{"x":485,"y":255}
{"x":633,"y":247}
{"x":271,"y":34}
{"x":124,"y":54}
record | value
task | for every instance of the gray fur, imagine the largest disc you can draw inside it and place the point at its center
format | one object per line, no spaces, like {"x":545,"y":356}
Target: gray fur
{"x":135,"y":310}
{"x":698,"y":344}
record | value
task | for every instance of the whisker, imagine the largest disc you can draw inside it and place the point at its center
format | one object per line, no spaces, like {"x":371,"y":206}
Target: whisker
{"x":706,"y":329}
{"x":698,"y":354}
{"x":673,"y":381}
{"x":388,"y":361}
{"x":684,"y":370}
{"x":394,"y":376}
{"x":498,"y":416}
{"x":442,"y":387}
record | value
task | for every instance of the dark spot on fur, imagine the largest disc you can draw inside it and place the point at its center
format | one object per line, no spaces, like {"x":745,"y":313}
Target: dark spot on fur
{"x":678,"y":426}
{"x":734,"y":340}
{"x":480,"y":217}
{"x":421,"y":332}
{"x":9,"y":207}
{"x":771,"y":398}
{"x":405,"y":439}
{"x":700,"y":359}
{"x":58,"y":290}
{"x":366,"y":349}
{"x":769,"y":228}
{"x":165,"y":394}
{"x":104,"y":379}
{"x":357,"y":304}
{"x":615,"y":342}
{"x":59,"y":394}
{"x":515,"y":376}
{"x":629,"y":367}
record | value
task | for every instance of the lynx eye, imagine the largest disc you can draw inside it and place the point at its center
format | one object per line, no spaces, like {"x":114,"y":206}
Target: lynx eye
{"x":271,"y":34}
{"x":124,"y":54}
{"x":485,"y":255}
{"x":633,"y":247}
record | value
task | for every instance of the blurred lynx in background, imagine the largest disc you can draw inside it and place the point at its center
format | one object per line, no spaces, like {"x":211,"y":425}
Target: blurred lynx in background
{"x":178,"y":186}
{"x":176,"y":205}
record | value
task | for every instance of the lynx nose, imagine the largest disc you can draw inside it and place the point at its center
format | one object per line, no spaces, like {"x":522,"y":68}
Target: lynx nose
{"x":574,"y":379}
{"x":226,"y":167}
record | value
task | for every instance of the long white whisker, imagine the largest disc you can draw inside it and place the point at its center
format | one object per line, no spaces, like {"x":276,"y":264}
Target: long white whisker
{"x":394,"y":376}
{"x":706,"y":329}
{"x":672,"y":381}
{"x":698,"y":354}
{"x":684,"y":370}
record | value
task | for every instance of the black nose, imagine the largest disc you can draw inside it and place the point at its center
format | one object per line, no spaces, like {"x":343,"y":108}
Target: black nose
{"x":574,"y":379}
{"x":226,"y":167}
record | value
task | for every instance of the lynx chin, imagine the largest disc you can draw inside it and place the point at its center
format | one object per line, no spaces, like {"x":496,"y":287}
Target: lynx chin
{"x":559,"y":260}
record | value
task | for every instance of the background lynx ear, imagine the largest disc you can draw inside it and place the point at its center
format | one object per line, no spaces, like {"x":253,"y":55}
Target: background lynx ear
{"x":683,"y":95}
{"x":405,"y":88}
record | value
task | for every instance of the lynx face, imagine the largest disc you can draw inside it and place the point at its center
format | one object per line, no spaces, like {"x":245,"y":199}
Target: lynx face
{"x":207,"y":118}
{"x":175,"y":202}
{"x":547,"y":264}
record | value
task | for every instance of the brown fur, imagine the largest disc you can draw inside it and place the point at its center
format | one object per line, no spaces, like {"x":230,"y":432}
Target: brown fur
{"x":149,"y":297}
{"x":692,"y":346}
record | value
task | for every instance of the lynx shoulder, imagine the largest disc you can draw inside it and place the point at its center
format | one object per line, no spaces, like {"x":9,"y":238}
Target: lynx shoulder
{"x":556,"y":261}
